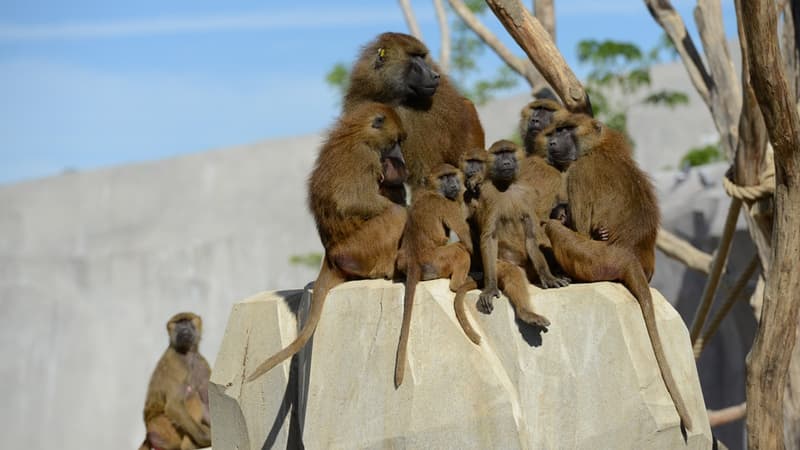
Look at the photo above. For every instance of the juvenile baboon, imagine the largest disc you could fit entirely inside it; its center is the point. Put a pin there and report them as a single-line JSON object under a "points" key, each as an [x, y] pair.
{"points": [[508, 244], [395, 69], [473, 165], [561, 214], [176, 412], [606, 188], [360, 229], [436, 209]]}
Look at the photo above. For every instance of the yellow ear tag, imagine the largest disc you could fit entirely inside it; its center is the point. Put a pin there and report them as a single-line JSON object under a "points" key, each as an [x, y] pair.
{"points": [[381, 52]]}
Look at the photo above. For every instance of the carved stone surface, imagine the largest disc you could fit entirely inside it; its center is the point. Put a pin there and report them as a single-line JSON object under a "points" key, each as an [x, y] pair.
{"points": [[590, 381]]}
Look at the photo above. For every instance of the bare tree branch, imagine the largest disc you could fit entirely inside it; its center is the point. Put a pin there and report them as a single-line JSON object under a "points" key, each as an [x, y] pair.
{"points": [[727, 415], [768, 362], [681, 250], [672, 23], [444, 33], [534, 40], [517, 64], [411, 21], [546, 13], [726, 95]]}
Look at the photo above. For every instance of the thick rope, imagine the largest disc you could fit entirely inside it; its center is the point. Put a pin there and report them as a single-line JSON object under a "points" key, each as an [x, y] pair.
{"points": [[764, 188], [733, 295], [738, 194]]}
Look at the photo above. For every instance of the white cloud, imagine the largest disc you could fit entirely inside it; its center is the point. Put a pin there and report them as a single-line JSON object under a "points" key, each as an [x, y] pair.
{"points": [[294, 19]]}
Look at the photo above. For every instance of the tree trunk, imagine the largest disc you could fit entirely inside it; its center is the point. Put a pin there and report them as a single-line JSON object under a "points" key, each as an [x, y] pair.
{"points": [[769, 358], [444, 32]]}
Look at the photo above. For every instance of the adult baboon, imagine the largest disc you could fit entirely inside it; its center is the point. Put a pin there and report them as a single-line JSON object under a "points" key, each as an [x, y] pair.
{"points": [[176, 412], [360, 229], [606, 188], [396, 69]]}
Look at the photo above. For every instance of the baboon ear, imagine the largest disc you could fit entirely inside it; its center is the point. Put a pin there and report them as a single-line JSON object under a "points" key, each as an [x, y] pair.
{"points": [[377, 122], [598, 126]]}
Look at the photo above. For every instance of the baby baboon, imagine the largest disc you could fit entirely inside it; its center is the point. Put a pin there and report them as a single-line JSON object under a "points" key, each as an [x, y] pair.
{"points": [[176, 412], [607, 189], [508, 242], [435, 210], [396, 69], [360, 229]]}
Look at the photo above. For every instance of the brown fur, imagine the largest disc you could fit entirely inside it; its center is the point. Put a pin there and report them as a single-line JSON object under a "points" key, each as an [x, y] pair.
{"points": [[508, 244], [440, 128], [427, 255], [359, 228], [607, 189], [176, 411]]}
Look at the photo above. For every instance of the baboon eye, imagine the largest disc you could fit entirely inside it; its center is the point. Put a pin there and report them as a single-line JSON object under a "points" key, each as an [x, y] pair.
{"points": [[377, 122]]}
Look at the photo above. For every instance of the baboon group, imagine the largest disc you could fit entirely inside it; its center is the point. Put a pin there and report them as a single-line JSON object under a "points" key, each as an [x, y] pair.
{"points": [[569, 204]]}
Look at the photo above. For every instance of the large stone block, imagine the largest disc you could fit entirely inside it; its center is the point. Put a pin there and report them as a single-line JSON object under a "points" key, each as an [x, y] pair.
{"points": [[590, 381]]}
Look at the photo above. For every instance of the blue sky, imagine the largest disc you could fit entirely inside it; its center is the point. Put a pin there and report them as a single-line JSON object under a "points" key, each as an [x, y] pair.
{"points": [[92, 83]]}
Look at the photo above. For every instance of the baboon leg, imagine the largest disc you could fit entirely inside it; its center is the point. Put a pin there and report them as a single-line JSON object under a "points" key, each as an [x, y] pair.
{"points": [[162, 434], [534, 234], [513, 283], [461, 310], [376, 260]]}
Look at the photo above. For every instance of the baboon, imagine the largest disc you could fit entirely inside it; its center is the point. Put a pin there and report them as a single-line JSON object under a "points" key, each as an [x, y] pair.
{"points": [[606, 188], [544, 178], [473, 165], [508, 243], [436, 209], [176, 412], [395, 69], [360, 229]]}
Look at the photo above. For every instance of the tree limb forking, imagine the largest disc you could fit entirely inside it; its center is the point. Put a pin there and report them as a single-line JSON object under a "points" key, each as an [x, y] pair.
{"points": [[537, 44]]}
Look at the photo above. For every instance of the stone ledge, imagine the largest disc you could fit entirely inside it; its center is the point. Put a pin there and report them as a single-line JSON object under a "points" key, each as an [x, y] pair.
{"points": [[591, 381]]}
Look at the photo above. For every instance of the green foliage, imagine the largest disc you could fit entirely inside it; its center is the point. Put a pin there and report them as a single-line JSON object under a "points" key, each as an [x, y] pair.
{"points": [[338, 78], [312, 260], [699, 156], [623, 69]]}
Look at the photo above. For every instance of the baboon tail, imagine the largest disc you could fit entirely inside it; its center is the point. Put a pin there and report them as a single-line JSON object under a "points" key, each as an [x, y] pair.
{"points": [[461, 311], [636, 282], [328, 278], [412, 279]]}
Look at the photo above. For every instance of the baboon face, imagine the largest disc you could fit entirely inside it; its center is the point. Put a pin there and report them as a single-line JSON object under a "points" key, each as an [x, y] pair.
{"points": [[184, 331], [402, 62], [450, 185], [184, 335], [473, 173], [562, 147], [540, 119], [421, 79], [505, 165], [560, 213]]}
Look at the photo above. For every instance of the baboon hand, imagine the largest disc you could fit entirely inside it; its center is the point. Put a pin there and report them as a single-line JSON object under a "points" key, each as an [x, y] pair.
{"points": [[486, 299], [554, 281]]}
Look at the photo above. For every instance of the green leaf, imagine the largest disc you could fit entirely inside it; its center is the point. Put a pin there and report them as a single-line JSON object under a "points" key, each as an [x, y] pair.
{"points": [[338, 77], [670, 99], [699, 156]]}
